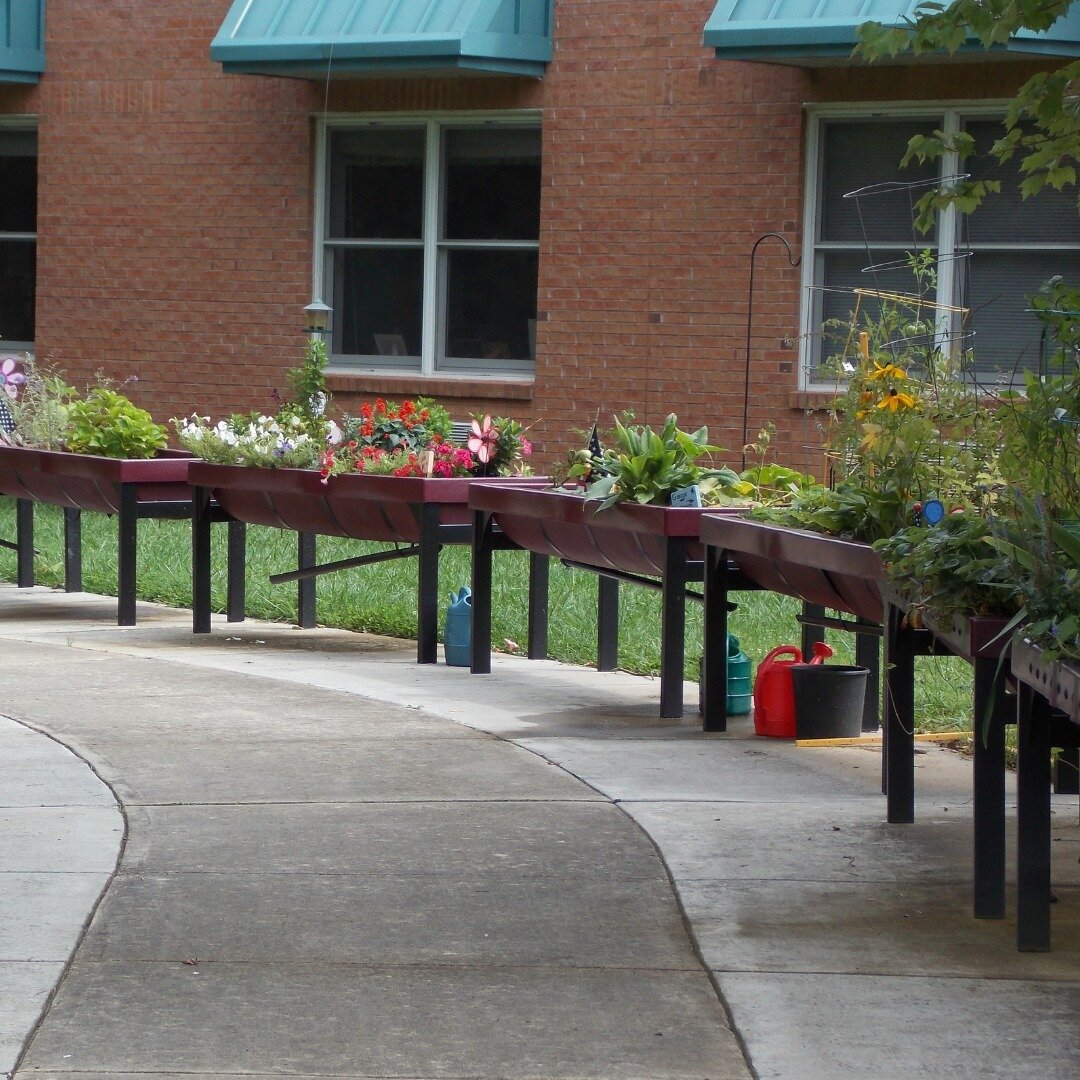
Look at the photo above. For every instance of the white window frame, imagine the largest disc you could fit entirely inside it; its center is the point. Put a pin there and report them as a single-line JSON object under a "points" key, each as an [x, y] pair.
{"points": [[435, 249], [10, 124], [948, 116]]}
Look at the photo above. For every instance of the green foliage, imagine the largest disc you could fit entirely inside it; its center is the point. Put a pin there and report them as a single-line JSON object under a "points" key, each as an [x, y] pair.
{"points": [[40, 411], [953, 567], [1043, 119], [310, 400], [438, 422], [647, 466], [107, 423]]}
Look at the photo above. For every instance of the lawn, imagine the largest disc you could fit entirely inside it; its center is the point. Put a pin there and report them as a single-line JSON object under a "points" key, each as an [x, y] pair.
{"points": [[382, 599]]}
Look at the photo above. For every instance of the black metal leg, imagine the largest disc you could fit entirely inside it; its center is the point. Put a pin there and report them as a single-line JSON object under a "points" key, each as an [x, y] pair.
{"points": [[607, 624], [24, 536], [673, 629], [128, 519], [237, 584], [1067, 771], [305, 587], [72, 549], [427, 605], [539, 574], [810, 631], [991, 712], [481, 594], [1033, 822], [868, 655], [200, 560], [899, 736], [714, 669]]}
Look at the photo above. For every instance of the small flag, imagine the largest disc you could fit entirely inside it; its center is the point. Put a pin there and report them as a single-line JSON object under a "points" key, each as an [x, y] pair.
{"points": [[594, 443]]}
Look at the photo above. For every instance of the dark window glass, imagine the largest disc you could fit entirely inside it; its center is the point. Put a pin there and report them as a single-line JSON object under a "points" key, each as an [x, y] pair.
{"points": [[377, 185], [862, 154], [492, 185], [491, 304], [1006, 336], [379, 301], [17, 263], [1048, 217], [18, 181]]}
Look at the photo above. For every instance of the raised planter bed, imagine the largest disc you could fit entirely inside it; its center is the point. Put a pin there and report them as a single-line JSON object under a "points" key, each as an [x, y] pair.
{"points": [[1048, 715], [132, 489], [824, 572], [421, 513], [657, 546]]}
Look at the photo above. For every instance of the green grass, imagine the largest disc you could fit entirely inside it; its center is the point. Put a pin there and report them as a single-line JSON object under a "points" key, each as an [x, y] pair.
{"points": [[382, 599]]}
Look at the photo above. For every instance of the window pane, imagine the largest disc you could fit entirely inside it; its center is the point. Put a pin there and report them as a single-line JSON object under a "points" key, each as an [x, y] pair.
{"points": [[378, 301], [491, 304], [492, 185], [857, 155], [842, 273], [18, 182], [1048, 217], [17, 262], [377, 184], [1006, 336]]}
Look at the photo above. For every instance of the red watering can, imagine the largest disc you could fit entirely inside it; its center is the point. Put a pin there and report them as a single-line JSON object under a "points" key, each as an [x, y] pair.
{"points": [[774, 698]]}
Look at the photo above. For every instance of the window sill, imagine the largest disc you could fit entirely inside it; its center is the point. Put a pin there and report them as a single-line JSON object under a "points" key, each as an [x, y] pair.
{"points": [[401, 384], [812, 400]]}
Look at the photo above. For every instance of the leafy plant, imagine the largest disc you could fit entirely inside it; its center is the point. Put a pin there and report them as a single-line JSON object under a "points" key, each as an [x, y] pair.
{"points": [[647, 466], [107, 423], [40, 410], [953, 567]]}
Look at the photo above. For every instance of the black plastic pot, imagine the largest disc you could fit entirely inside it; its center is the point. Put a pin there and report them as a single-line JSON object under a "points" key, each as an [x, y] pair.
{"points": [[828, 700]]}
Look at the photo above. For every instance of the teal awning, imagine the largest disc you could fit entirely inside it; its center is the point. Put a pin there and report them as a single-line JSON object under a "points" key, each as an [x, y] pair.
{"points": [[308, 38], [810, 33], [22, 40]]}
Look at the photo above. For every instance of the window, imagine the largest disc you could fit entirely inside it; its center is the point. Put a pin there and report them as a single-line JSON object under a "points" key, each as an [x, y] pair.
{"points": [[18, 237], [988, 263], [430, 246]]}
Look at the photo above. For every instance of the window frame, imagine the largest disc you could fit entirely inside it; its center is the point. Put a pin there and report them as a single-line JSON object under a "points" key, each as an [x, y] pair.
{"points": [[947, 233], [8, 125], [435, 249]]}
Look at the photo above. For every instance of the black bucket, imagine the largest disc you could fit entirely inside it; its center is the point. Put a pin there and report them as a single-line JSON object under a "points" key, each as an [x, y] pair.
{"points": [[828, 700]]}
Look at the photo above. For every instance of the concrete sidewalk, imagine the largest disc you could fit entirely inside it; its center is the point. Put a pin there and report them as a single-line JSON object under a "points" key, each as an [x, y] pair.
{"points": [[371, 890]]}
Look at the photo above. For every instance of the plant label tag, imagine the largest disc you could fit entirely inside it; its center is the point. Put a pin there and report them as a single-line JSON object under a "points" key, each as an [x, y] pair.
{"points": [[687, 496], [427, 462]]}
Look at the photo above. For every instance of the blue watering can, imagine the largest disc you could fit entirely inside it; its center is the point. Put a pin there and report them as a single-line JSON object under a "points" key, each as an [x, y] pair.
{"points": [[457, 642]]}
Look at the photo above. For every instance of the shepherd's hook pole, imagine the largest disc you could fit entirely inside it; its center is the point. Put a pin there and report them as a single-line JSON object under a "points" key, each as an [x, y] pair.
{"points": [[749, 330]]}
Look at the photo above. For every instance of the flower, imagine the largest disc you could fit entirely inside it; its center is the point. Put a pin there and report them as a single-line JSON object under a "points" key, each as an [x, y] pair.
{"points": [[896, 399], [11, 379], [886, 371], [483, 440]]}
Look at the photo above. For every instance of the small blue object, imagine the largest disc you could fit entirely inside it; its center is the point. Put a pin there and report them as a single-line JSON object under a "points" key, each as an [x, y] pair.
{"points": [[933, 511], [457, 641], [687, 496]]}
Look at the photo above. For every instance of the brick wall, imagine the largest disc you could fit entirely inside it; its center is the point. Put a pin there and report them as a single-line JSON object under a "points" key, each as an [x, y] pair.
{"points": [[176, 206]]}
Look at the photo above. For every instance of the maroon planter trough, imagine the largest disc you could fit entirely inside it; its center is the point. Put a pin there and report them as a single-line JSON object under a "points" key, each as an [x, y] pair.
{"points": [[132, 489]]}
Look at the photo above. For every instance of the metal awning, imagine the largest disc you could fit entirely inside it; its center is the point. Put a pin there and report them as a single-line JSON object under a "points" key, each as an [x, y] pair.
{"points": [[22, 40], [310, 39], [819, 33]]}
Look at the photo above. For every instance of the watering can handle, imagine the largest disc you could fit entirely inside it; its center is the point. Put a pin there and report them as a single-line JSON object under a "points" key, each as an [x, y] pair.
{"points": [[780, 650]]}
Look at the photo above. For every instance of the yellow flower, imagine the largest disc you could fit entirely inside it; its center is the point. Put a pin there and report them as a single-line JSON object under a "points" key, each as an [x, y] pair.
{"points": [[896, 399], [886, 371]]}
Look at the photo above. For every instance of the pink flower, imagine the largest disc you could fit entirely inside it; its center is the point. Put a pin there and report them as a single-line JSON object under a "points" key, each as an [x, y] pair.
{"points": [[526, 447], [483, 440], [10, 379]]}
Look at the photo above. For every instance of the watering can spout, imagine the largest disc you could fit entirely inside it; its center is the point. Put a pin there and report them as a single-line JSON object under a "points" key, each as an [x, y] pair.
{"points": [[822, 652]]}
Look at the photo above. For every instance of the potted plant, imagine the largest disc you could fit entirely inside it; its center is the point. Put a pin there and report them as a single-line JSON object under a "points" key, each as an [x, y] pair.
{"points": [[389, 474], [84, 451]]}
